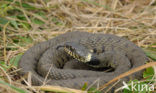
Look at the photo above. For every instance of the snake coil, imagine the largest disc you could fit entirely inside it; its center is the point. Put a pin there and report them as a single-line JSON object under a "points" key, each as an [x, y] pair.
{"points": [[75, 58]]}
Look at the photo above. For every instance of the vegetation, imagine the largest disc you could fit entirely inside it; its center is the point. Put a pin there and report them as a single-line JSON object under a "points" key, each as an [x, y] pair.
{"points": [[24, 23]]}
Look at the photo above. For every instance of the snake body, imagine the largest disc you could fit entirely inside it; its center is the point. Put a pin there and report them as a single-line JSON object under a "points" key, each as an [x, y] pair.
{"points": [[75, 58]]}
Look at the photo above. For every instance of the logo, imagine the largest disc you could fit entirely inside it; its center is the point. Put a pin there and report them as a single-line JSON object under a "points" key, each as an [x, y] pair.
{"points": [[138, 86]]}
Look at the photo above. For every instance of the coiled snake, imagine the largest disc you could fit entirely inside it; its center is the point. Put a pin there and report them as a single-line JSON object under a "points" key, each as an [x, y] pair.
{"points": [[75, 58]]}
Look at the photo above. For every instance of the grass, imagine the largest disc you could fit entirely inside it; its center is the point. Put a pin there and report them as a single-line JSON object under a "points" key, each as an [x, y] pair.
{"points": [[24, 23]]}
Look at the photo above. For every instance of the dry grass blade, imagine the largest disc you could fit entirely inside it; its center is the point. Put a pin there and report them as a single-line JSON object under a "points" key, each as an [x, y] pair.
{"points": [[4, 41], [59, 89], [151, 64]]}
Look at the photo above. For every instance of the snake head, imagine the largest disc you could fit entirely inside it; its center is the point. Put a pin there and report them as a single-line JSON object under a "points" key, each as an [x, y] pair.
{"points": [[77, 51]]}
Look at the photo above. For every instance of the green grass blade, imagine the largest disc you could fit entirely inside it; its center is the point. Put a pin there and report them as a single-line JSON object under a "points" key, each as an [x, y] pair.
{"points": [[13, 87], [150, 53]]}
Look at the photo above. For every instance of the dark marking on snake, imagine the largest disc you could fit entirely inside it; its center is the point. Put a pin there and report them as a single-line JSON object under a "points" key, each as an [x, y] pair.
{"points": [[94, 50], [94, 61]]}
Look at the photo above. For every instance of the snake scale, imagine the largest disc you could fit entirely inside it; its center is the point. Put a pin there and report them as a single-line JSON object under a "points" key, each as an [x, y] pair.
{"points": [[75, 58]]}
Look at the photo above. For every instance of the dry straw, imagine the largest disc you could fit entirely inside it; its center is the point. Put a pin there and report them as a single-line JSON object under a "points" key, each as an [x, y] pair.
{"points": [[133, 19]]}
